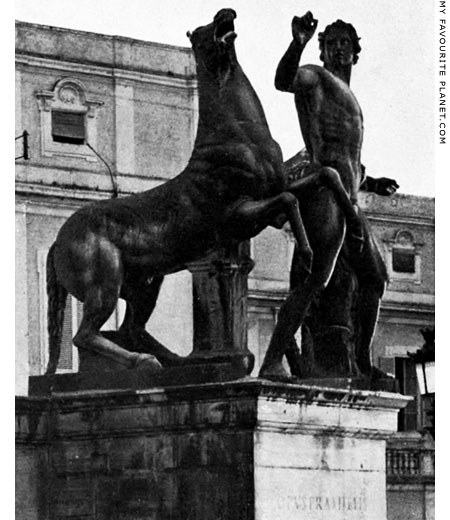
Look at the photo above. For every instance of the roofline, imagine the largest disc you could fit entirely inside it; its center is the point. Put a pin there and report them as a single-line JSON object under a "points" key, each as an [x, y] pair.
{"points": [[106, 36]]}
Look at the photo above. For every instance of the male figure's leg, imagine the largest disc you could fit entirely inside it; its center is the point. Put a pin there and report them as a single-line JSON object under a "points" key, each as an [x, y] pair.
{"points": [[328, 332], [325, 227], [372, 279]]}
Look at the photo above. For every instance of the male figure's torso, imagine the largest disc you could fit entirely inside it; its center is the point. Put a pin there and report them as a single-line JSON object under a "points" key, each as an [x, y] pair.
{"points": [[331, 122]]}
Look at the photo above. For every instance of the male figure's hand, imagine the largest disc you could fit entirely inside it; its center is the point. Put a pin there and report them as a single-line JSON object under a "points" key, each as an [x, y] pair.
{"points": [[303, 28], [385, 186]]}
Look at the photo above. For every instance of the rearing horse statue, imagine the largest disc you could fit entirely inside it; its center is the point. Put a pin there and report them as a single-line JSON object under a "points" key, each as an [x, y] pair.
{"points": [[232, 188]]}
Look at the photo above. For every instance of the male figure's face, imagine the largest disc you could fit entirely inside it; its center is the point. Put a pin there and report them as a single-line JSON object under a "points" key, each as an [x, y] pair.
{"points": [[337, 50]]}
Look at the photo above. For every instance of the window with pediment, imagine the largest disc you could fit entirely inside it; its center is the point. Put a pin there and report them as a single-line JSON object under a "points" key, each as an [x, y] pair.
{"points": [[68, 119], [403, 258]]}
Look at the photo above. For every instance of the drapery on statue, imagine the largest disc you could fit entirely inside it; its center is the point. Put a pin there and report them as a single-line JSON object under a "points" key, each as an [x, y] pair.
{"points": [[332, 128], [232, 188]]}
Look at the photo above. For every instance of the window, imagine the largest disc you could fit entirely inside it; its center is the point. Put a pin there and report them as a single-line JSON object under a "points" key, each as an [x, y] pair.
{"points": [[403, 258], [409, 418], [68, 359], [68, 127], [68, 118], [403, 261], [398, 365]]}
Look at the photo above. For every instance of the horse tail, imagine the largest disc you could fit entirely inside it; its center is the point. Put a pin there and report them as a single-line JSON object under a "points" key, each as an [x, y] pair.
{"points": [[57, 296]]}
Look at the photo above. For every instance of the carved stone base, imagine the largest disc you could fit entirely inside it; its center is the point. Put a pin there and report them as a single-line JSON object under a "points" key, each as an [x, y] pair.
{"points": [[248, 450], [234, 363], [387, 384], [133, 379]]}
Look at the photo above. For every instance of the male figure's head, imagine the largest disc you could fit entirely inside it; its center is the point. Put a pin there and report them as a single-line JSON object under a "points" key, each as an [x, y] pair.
{"points": [[339, 47]]}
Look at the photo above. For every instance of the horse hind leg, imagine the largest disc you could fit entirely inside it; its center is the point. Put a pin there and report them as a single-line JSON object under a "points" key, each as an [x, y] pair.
{"points": [[141, 297], [141, 300], [99, 304]]}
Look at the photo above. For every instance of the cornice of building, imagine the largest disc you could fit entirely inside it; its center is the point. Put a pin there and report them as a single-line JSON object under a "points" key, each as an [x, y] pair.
{"points": [[407, 220], [392, 302], [75, 193], [413, 298], [39, 191], [102, 52], [20, 23], [401, 207], [123, 74]]}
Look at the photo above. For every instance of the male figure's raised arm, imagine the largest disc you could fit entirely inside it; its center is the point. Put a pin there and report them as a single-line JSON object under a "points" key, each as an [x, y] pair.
{"points": [[302, 31]]}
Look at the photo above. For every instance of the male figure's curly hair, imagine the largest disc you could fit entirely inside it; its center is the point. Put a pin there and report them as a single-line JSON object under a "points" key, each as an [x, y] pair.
{"points": [[339, 24]]}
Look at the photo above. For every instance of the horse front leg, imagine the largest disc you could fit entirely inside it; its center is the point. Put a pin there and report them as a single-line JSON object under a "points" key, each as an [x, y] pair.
{"points": [[253, 216]]}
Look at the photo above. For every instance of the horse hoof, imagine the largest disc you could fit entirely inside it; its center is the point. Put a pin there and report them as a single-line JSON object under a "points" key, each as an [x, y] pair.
{"points": [[147, 361]]}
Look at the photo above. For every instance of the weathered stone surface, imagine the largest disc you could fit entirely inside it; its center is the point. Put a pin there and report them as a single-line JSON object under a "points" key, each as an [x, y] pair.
{"points": [[248, 449], [103, 50], [134, 379]]}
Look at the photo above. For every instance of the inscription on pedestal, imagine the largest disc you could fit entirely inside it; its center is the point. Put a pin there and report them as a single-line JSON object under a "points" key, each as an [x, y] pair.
{"points": [[355, 504], [317, 494]]}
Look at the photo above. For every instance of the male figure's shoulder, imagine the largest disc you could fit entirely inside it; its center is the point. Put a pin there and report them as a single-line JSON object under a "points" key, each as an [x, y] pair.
{"points": [[309, 76]]}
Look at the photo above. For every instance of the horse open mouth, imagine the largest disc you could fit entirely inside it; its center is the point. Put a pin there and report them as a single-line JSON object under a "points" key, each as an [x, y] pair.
{"points": [[224, 32]]}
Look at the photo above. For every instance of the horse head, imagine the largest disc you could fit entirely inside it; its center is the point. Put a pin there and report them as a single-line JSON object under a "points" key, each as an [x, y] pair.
{"points": [[213, 46]]}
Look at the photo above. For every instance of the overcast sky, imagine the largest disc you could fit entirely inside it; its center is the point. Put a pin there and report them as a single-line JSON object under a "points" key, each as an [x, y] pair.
{"points": [[393, 79]]}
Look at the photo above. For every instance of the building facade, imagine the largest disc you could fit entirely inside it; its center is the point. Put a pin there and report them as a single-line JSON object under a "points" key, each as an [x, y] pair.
{"points": [[109, 115]]}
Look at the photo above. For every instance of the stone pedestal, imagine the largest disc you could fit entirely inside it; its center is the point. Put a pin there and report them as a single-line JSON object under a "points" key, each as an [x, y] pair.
{"points": [[220, 307], [243, 450]]}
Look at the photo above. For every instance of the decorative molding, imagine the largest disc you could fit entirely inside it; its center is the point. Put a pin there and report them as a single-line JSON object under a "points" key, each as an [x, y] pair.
{"points": [[60, 209], [392, 218], [44, 190], [409, 297], [108, 72], [257, 404]]}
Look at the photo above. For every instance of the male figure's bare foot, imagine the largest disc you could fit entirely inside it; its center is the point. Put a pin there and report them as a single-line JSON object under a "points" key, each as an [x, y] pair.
{"points": [[147, 361]]}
